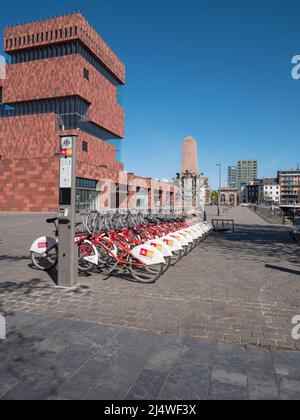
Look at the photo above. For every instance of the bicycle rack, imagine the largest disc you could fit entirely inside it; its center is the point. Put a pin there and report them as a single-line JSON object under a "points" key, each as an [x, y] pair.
{"points": [[223, 225]]}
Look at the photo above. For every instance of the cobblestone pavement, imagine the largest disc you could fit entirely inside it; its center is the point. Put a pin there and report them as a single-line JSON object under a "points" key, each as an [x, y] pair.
{"points": [[57, 359], [241, 289]]}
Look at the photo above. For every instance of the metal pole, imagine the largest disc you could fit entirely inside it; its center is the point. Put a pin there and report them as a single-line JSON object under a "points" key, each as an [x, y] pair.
{"points": [[67, 249], [298, 183], [220, 186], [220, 183]]}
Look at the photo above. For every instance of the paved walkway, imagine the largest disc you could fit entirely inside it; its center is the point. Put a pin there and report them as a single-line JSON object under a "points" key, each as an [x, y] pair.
{"points": [[234, 289], [48, 358]]}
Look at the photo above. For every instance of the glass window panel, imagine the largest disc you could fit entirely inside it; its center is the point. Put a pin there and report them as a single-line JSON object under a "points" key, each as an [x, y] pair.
{"points": [[63, 107]]}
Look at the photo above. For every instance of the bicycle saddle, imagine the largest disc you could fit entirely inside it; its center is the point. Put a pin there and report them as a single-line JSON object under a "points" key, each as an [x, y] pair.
{"points": [[137, 231], [51, 220]]}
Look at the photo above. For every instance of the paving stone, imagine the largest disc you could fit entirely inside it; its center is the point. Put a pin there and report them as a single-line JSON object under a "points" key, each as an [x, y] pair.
{"points": [[287, 364], [289, 389], [117, 344], [7, 381], [37, 387], [68, 362], [45, 327], [225, 392], [201, 352], [262, 387], [124, 372], [148, 385], [84, 380], [100, 334], [229, 376], [104, 394], [186, 382]]}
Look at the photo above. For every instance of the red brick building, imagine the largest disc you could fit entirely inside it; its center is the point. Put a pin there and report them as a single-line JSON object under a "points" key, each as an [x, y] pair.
{"points": [[60, 77]]}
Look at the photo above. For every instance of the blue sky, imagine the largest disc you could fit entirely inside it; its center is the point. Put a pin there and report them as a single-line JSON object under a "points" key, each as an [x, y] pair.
{"points": [[217, 70]]}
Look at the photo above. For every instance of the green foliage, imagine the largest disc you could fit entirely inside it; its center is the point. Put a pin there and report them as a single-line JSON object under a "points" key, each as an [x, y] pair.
{"points": [[214, 197]]}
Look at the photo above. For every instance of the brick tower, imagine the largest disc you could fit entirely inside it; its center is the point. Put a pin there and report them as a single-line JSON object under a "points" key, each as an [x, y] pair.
{"points": [[189, 156], [60, 77]]}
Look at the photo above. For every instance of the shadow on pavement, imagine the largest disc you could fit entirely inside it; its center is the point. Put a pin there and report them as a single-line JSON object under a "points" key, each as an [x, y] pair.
{"points": [[14, 258], [284, 270], [257, 241]]}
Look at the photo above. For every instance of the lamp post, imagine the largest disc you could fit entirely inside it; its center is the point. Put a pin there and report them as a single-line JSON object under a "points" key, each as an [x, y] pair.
{"points": [[298, 186], [220, 183]]}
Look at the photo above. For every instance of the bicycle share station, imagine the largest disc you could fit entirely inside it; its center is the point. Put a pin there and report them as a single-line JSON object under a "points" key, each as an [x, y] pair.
{"points": [[62, 254], [144, 246]]}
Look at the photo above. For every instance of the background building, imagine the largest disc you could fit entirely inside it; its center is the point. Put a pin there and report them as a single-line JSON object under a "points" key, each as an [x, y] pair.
{"points": [[289, 182], [264, 190], [242, 175], [229, 196], [61, 76], [270, 191], [247, 171], [232, 177]]}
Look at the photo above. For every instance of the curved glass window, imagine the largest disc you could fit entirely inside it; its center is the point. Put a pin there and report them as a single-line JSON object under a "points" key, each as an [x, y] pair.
{"points": [[72, 114]]}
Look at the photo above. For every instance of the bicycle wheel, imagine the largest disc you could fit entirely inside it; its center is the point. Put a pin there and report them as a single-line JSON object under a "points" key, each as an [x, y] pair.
{"points": [[85, 250], [47, 261], [186, 250], [144, 274], [167, 265], [176, 257], [103, 256], [106, 261]]}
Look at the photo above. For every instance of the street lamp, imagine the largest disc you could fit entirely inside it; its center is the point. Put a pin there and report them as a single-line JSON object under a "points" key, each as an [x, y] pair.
{"points": [[220, 184], [298, 186]]}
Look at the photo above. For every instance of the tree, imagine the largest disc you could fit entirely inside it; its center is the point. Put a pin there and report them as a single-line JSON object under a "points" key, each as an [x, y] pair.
{"points": [[214, 197]]}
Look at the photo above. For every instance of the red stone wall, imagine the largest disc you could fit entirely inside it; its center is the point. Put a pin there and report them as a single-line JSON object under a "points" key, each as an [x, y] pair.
{"points": [[28, 137], [29, 169], [16, 38], [29, 185], [63, 76]]}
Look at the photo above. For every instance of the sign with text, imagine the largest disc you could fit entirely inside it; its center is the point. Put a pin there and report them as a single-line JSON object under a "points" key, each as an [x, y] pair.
{"points": [[66, 143], [66, 172]]}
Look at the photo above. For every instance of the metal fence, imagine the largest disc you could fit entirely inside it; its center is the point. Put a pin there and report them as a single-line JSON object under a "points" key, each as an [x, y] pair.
{"points": [[223, 225], [272, 214]]}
